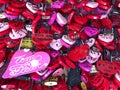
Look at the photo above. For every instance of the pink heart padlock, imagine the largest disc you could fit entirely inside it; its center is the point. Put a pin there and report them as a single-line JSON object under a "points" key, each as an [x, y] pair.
{"points": [[31, 7], [92, 4], [91, 31], [56, 44], [18, 34], [93, 56], [106, 37], [86, 66], [53, 18], [4, 26], [57, 4], [61, 20], [24, 62], [90, 42]]}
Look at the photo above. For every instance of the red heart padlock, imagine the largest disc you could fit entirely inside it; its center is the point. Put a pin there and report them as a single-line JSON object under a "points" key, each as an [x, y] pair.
{"points": [[71, 17], [16, 25], [62, 62], [75, 26], [82, 20], [96, 80], [73, 2], [106, 67], [53, 65], [82, 3], [5, 32], [46, 13], [97, 23], [107, 23], [69, 62], [78, 53], [28, 15], [11, 43], [83, 35], [67, 8], [104, 2], [56, 28], [74, 35]]}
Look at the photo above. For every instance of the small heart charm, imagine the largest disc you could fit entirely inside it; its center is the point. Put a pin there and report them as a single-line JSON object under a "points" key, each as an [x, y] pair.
{"points": [[91, 31], [106, 37], [56, 44], [24, 62], [31, 7], [4, 26], [61, 20], [57, 4], [90, 42]]}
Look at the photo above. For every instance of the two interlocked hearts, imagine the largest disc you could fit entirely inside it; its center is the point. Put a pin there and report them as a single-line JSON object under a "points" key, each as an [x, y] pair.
{"points": [[91, 31], [24, 62]]}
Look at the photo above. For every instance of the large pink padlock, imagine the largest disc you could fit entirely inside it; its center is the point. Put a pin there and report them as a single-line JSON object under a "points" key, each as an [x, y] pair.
{"points": [[52, 18]]}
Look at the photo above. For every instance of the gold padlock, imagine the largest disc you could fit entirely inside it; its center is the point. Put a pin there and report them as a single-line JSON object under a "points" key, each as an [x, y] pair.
{"points": [[51, 81], [49, 1], [83, 86], [26, 43]]}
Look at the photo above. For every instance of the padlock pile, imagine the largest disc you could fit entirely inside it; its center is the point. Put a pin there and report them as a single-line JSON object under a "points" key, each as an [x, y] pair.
{"points": [[59, 44]]}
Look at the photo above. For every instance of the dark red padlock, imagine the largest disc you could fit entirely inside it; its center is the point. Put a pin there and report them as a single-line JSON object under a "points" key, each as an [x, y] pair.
{"points": [[83, 35], [75, 26], [81, 3], [78, 53], [106, 67], [53, 65], [66, 9], [82, 20], [74, 35], [107, 23], [16, 25], [96, 80], [56, 28], [11, 43], [97, 23]]}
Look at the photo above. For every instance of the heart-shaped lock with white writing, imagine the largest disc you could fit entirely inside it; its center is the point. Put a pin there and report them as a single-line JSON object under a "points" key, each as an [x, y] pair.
{"points": [[106, 37], [90, 42], [56, 44], [24, 62], [4, 26]]}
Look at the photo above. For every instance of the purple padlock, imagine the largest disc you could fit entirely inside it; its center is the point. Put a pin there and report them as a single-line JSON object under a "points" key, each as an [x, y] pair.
{"points": [[53, 18], [57, 4], [86, 66], [89, 31]]}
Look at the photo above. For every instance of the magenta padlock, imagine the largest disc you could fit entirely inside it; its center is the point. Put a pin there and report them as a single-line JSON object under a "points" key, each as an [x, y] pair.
{"points": [[57, 4], [61, 20], [89, 31], [101, 11], [93, 56], [4, 26], [52, 18], [66, 41], [56, 44], [86, 66], [54, 53]]}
